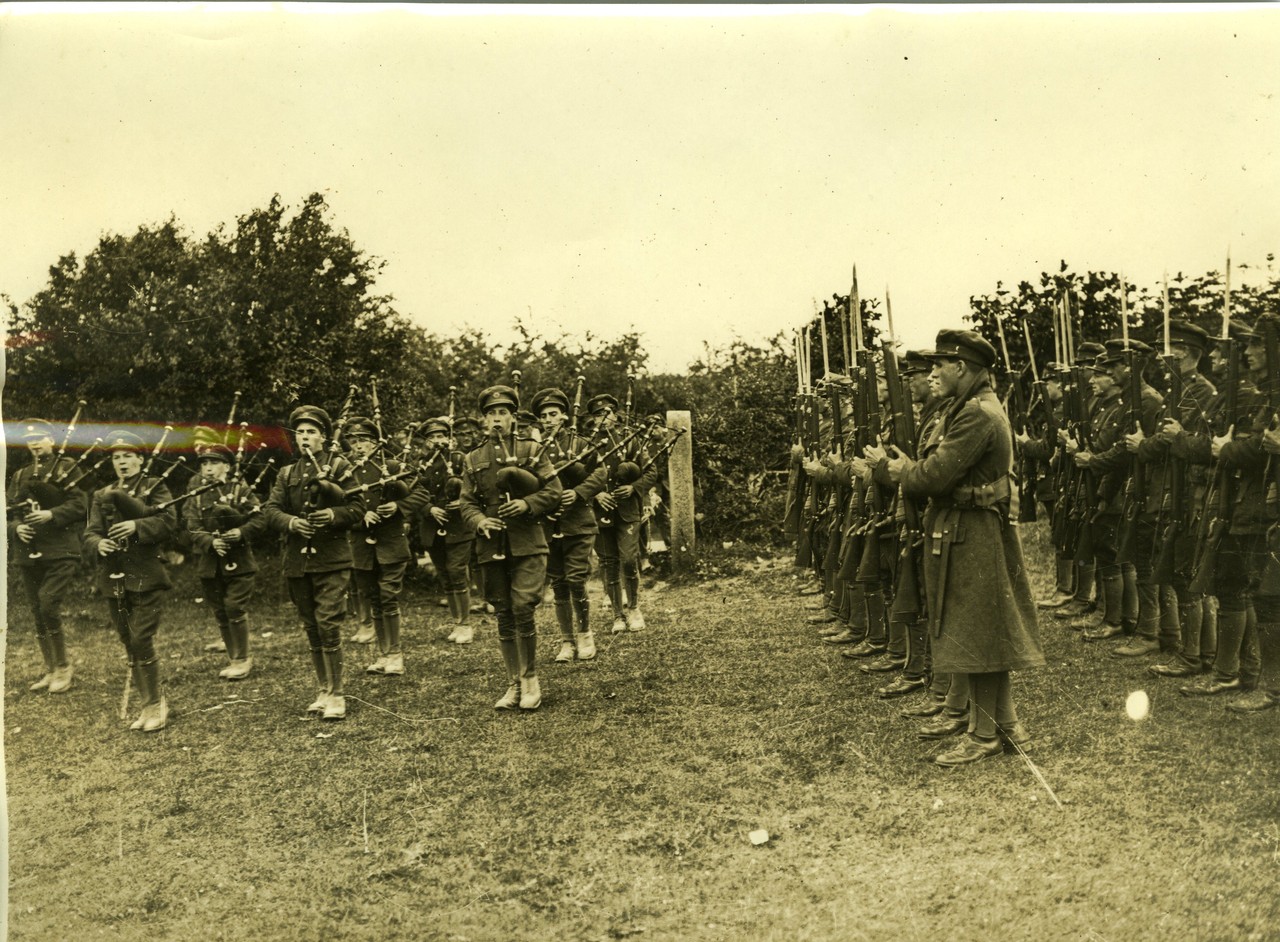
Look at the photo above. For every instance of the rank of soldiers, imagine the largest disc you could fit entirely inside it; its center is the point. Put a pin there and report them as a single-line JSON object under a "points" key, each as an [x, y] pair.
{"points": [[505, 506], [1155, 476]]}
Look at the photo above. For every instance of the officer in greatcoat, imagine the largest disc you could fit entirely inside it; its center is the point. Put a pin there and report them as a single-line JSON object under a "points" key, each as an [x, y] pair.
{"points": [[982, 620]]}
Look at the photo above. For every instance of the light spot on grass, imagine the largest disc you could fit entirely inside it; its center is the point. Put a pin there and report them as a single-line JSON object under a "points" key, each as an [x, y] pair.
{"points": [[1138, 706]]}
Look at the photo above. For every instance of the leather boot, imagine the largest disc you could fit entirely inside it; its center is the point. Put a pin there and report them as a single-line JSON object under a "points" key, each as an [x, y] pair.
{"points": [[530, 689], [238, 648], [564, 619], [335, 704], [511, 658], [585, 641], [159, 707], [322, 677]]}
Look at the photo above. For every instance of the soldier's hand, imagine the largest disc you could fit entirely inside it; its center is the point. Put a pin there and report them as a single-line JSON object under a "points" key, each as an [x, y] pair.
{"points": [[514, 508], [321, 518], [301, 526], [453, 505], [1081, 459], [221, 546], [1071, 444], [107, 547], [895, 467], [1271, 441], [1133, 440], [860, 467], [811, 468], [490, 525], [123, 530], [388, 509], [26, 532], [606, 501], [38, 517], [797, 451], [623, 492], [875, 453], [1221, 440], [1170, 430], [440, 514], [1022, 438], [233, 536], [371, 518], [568, 496]]}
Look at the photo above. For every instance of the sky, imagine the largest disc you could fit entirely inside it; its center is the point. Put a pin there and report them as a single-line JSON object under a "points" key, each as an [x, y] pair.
{"points": [[693, 174]]}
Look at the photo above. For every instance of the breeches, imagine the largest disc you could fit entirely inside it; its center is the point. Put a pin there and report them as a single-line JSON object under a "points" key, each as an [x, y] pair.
{"points": [[136, 616], [569, 562], [229, 596], [1106, 535], [321, 601], [381, 585], [619, 543], [513, 587], [450, 560], [1238, 569], [47, 584]]}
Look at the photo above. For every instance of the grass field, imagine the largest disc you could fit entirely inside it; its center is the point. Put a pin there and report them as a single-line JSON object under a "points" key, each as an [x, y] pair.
{"points": [[622, 808]]}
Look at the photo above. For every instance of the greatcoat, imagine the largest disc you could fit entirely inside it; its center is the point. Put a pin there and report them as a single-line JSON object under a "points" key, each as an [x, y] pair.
{"points": [[981, 615]]}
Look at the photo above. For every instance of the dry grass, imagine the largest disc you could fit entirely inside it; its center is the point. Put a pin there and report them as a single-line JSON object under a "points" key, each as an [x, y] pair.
{"points": [[622, 808]]}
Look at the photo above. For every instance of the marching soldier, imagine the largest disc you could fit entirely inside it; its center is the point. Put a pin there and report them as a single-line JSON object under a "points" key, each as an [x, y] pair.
{"points": [[981, 616], [220, 524], [314, 514], [379, 544], [128, 523], [441, 529], [509, 483], [619, 508], [46, 545], [570, 529]]}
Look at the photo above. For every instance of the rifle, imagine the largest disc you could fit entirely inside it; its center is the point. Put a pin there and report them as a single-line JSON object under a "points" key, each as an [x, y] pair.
{"points": [[910, 588], [1016, 410], [1135, 494], [1220, 496]]}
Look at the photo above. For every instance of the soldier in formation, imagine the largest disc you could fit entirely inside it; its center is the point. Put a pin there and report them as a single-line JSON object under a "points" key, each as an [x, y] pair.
{"points": [[487, 504]]}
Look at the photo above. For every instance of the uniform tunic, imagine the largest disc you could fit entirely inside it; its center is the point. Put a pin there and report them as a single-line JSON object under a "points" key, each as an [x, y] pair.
{"points": [[515, 558], [318, 579], [48, 562], [133, 578], [227, 580]]}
